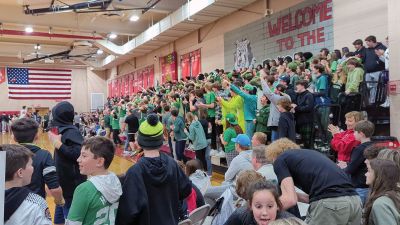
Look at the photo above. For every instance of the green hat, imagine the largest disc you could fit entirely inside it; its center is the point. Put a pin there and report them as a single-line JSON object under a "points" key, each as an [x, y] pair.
{"points": [[229, 75], [231, 119], [247, 76], [248, 87], [150, 134], [292, 65]]}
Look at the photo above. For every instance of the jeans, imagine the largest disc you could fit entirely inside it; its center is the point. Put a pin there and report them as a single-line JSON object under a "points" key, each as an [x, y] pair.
{"points": [[372, 87], [126, 146], [171, 149], [179, 150], [274, 135], [116, 137], [208, 160], [363, 193], [61, 213], [250, 126]]}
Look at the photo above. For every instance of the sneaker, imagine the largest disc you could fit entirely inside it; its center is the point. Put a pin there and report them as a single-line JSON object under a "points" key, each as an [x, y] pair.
{"points": [[213, 152], [221, 154]]}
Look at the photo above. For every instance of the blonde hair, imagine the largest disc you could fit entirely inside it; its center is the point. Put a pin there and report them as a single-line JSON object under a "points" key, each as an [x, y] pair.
{"points": [[390, 154], [245, 178], [273, 150], [260, 137], [358, 116], [288, 221]]}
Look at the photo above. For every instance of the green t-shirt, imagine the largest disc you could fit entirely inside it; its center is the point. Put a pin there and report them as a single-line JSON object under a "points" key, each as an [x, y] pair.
{"points": [[90, 207], [122, 111], [321, 83], [210, 98], [115, 123], [228, 135], [107, 121]]}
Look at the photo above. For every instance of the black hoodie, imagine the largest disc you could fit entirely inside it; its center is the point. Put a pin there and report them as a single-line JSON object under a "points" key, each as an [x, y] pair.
{"points": [[152, 190], [372, 62], [305, 108], [66, 156], [286, 126]]}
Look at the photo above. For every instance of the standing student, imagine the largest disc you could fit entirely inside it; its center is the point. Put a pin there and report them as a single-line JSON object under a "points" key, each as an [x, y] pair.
{"points": [[155, 186], [198, 138], [67, 146], [115, 127], [25, 132], [96, 200], [132, 121], [356, 168], [383, 204], [107, 123], [250, 105], [261, 120], [77, 120], [304, 112], [232, 130], [210, 99], [178, 131], [286, 124], [21, 205], [274, 97], [328, 189]]}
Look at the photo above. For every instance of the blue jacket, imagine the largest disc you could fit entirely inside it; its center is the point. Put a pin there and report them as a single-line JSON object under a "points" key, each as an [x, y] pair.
{"points": [[197, 136], [250, 103]]}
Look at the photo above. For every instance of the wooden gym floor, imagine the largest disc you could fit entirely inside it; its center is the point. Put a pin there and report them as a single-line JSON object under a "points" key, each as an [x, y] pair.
{"points": [[119, 165]]}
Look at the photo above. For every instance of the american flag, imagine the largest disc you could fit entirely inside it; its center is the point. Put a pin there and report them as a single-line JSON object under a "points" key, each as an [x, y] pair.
{"points": [[34, 83]]}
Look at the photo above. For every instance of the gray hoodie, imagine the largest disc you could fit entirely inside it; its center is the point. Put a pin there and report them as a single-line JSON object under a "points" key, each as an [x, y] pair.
{"points": [[239, 163], [108, 185]]}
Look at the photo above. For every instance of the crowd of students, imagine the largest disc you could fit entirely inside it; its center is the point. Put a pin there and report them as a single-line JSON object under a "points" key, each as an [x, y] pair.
{"points": [[262, 120]]}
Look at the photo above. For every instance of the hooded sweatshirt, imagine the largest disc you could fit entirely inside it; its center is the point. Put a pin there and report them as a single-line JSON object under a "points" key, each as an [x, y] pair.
{"points": [[239, 163], [152, 191], [197, 136], [21, 206], [95, 201], [66, 156]]}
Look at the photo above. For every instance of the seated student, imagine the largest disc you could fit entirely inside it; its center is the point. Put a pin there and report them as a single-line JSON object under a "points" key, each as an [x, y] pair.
{"points": [[286, 124], [199, 178], [25, 132], [356, 168], [99, 195], [261, 165], [195, 199], [21, 205], [343, 142], [241, 162], [155, 185], [264, 206], [233, 210], [288, 221], [258, 139], [383, 204], [326, 186]]}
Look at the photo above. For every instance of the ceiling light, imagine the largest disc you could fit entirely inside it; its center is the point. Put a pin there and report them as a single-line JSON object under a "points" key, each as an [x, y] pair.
{"points": [[112, 35], [37, 46], [28, 29], [134, 18], [99, 52]]}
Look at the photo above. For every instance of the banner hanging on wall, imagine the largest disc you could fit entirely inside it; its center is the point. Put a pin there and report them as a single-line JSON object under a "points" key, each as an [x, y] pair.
{"points": [[185, 65], [168, 66], [131, 83], [305, 27], [195, 63]]}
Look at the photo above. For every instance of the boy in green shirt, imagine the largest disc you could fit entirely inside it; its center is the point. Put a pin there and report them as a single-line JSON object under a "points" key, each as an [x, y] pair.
{"points": [[96, 200], [115, 127]]}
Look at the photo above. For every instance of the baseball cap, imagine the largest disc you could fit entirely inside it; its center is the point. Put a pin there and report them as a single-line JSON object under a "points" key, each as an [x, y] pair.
{"points": [[231, 119], [242, 140], [248, 87], [285, 78]]}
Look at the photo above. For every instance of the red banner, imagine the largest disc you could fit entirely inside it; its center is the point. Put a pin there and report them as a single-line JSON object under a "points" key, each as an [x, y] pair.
{"points": [[185, 65], [109, 85], [195, 62], [2, 75], [151, 77], [169, 67], [131, 84], [126, 92]]}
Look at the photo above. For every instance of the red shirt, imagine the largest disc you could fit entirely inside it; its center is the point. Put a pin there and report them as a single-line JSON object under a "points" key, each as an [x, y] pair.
{"points": [[343, 143]]}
